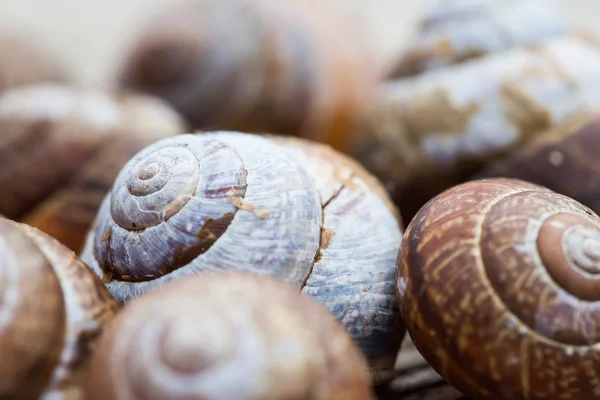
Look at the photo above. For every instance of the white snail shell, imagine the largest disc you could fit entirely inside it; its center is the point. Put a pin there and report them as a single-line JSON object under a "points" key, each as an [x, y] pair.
{"points": [[227, 201], [227, 336]]}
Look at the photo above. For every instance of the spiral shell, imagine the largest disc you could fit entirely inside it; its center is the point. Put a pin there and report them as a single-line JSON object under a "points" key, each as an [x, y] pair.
{"points": [[52, 307], [298, 67], [286, 208], [226, 336], [428, 133], [61, 149], [453, 32], [498, 284], [24, 63]]}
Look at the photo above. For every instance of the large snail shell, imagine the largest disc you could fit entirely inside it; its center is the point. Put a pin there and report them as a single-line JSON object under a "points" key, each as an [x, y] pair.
{"points": [[23, 62], [226, 336], [51, 309], [453, 32], [430, 132], [232, 201], [564, 159], [499, 287], [294, 67], [61, 149]]}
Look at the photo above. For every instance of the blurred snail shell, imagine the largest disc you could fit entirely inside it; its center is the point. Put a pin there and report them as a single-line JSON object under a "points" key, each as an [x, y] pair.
{"points": [[52, 307], [427, 133], [297, 67], [453, 32], [226, 336], [286, 208], [498, 285], [61, 148], [24, 62], [564, 159]]}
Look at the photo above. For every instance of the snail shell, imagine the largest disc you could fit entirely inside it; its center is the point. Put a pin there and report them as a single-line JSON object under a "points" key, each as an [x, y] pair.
{"points": [[24, 62], [498, 285], [61, 149], [430, 132], [52, 307], [285, 208], [459, 31], [227, 336], [564, 159], [298, 67]]}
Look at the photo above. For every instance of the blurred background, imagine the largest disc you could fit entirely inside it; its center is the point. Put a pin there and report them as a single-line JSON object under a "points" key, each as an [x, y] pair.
{"points": [[90, 35]]}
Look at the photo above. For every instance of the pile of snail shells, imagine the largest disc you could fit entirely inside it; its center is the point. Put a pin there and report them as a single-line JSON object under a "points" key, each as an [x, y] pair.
{"points": [[61, 148], [296, 67], [213, 336], [498, 284], [273, 206], [430, 131]]}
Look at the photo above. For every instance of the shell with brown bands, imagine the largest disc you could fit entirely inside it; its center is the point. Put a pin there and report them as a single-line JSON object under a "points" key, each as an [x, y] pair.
{"points": [[298, 67], [52, 308], [428, 133], [498, 283], [285, 208], [453, 32], [227, 336], [61, 148]]}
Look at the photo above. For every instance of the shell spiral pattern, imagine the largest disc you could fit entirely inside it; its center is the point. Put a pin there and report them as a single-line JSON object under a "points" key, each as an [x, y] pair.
{"points": [[51, 309], [286, 208], [498, 283], [227, 336]]}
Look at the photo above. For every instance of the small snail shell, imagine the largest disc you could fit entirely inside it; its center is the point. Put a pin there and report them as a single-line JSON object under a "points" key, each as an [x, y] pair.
{"points": [[61, 149], [563, 159], [295, 67], [52, 307], [459, 31], [499, 288], [433, 131], [24, 62], [286, 208], [226, 336]]}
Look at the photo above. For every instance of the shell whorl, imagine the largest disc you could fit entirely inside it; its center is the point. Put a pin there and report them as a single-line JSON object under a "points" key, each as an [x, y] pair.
{"points": [[507, 278], [52, 307], [286, 208], [31, 331], [226, 336], [207, 197]]}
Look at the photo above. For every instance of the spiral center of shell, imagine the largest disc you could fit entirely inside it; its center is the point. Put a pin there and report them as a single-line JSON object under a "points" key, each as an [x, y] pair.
{"points": [[154, 186], [149, 171], [581, 246]]}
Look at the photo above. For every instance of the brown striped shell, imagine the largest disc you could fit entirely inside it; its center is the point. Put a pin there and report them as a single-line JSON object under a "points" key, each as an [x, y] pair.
{"points": [[453, 32], [564, 159], [52, 308], [297, 67], [499, 286], [227, 336], [24, 62], [286, 208], [430, 132], [61, 148]]}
